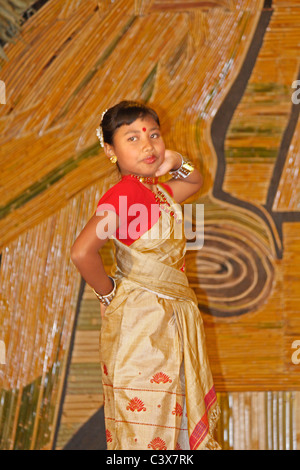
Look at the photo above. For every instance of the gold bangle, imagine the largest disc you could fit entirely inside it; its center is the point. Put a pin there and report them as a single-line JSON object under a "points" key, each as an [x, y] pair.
{"points": [[184, 170], [106, 299]]}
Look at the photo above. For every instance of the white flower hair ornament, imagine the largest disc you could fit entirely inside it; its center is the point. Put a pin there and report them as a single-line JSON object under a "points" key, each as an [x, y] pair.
{"points": [[99, 131], [100, 136]]}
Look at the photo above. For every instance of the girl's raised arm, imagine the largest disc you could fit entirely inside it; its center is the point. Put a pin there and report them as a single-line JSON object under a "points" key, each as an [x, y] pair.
{"points": [[182, 188]]}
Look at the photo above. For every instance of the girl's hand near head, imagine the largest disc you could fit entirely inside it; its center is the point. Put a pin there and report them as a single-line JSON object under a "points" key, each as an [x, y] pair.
{"points": [[182, 188], [172, 161]]}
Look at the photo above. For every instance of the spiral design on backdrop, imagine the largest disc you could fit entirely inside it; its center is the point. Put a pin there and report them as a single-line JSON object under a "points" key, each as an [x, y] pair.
{"points": [[232, 274]]}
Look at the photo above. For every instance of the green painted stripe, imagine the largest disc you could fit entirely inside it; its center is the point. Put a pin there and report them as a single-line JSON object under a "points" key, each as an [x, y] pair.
{"points": [[268, 88], [69, 165], [148, 85], [104, 56], [48, 180], [251, 153], [256, 130]]}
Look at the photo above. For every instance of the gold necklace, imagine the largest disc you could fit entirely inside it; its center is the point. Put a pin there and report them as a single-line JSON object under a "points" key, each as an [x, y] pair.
{"points": [[146, 179], [163, 202], [160, 198]]}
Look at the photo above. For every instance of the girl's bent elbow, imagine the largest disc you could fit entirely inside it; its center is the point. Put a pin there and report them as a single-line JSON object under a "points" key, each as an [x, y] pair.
{"points": [[76, 254]]}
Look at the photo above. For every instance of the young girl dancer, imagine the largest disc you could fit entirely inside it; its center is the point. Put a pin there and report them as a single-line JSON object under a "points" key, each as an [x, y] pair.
{"points": [[158, 387]]}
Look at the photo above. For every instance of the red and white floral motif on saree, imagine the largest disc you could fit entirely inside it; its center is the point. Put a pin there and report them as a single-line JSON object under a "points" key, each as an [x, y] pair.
{"points": [[177, 410], [108, 436], [160, 377], [136, 404], [157, 444]]}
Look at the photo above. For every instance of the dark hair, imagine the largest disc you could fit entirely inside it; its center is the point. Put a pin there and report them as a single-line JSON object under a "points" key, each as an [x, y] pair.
{"points": [[125, 112]]}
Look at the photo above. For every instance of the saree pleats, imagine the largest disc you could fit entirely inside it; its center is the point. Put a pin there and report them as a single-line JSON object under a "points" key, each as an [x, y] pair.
{"points": [[158, 387]]}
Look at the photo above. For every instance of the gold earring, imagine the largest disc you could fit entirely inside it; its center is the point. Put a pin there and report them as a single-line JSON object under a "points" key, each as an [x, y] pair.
{"points": [[113, 159]]}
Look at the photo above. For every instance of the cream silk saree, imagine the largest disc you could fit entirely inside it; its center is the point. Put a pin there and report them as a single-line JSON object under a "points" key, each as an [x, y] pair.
{"points": [[158, 387]]}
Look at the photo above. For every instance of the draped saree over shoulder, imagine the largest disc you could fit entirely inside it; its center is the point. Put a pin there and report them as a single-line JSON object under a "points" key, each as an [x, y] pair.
{"points": [[158, 388]]}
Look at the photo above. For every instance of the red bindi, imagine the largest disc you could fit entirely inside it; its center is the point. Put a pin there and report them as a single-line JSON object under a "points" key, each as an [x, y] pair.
{"points": [[144, 129]]}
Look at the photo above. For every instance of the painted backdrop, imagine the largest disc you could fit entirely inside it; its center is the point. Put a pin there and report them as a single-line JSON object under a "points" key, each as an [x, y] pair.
{"points": [[220, 75]]}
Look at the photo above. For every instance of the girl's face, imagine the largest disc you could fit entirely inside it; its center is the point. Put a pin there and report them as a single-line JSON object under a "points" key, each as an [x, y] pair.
{"points": [[139, 147]]}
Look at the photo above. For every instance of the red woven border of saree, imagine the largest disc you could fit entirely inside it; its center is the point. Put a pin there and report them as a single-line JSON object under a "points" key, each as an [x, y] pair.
{"points": [[202, 427]]}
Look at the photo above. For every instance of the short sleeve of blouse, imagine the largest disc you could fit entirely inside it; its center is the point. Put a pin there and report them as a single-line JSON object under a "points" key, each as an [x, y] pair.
{"points": [[134, 204], [110, 199], [130, 191]]}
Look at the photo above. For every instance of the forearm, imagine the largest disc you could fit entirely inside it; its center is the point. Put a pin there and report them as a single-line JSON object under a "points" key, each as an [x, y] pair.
{"points": [[195, 177], [91, 268]]}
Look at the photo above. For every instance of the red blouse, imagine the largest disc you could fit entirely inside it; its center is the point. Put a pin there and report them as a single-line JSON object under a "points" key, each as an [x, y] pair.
{"points": [[135, 205]]}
